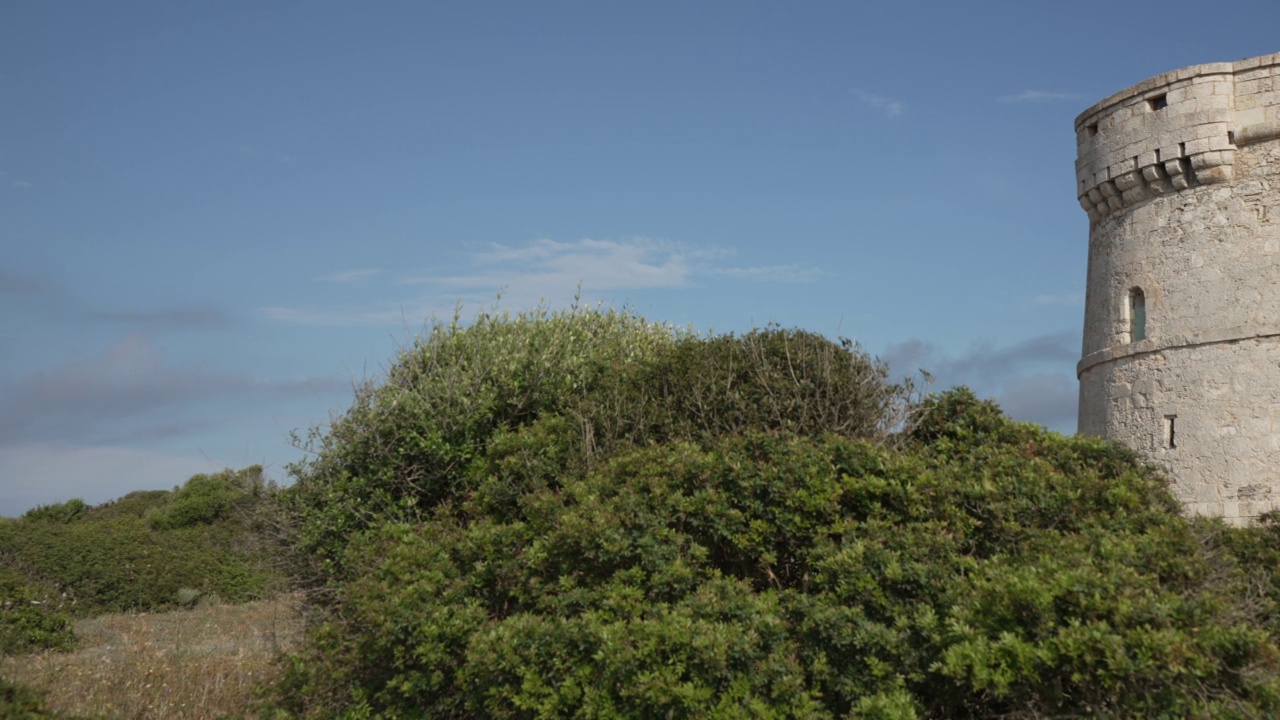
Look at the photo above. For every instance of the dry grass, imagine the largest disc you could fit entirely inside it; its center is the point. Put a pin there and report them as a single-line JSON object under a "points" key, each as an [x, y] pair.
{"points": [[182, 665]]}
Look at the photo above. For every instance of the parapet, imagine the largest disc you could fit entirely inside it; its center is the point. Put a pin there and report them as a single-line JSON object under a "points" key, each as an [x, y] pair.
{"points": [[1174, 131]]}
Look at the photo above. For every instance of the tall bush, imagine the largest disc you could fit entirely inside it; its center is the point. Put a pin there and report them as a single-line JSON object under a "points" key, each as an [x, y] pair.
{"points": [[561, 390]]}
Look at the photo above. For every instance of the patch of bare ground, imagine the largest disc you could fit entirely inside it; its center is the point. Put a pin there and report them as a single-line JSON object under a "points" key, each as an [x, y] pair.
{"points": [[181, 665]]}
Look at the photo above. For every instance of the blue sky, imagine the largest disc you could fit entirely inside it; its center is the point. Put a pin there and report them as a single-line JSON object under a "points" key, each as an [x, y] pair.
{"points": [[214, 218]]}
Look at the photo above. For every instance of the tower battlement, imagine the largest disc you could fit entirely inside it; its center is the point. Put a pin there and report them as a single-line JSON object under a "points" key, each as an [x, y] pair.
{"points": [[1173, 131], [1180, 176]]}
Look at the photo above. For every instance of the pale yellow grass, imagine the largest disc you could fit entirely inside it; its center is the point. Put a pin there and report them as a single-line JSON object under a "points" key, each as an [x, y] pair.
{"points": [[182, 665]]}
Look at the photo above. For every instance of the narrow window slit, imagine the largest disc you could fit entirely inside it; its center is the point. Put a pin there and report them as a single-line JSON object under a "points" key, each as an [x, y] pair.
{"points": [[1137, 315], [1170, 432]]}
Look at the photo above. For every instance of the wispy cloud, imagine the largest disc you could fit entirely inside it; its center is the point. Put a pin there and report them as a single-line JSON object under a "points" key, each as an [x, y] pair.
{"points": [[348, 276], [21, 185], [551, 272], [890, 107], [1068, 299], [21, 284], [189, 318], [1032, 380], [774, 273], [405, 314], [45, 295], [1038, 96], [600, 264], [105, 395]]}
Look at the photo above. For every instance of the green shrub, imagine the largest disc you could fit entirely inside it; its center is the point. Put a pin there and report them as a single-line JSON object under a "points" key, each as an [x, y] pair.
{"points": [[205, 499], [125, 564], [770, 379], [27, 627], [984, 568], [135, 504], [545, 395], [409, 444], [582, 514], [64, 512], [30, 618]]}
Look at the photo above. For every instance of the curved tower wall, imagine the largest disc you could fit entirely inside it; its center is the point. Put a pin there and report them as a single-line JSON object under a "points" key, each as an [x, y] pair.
{"points": [[1180, 176]]}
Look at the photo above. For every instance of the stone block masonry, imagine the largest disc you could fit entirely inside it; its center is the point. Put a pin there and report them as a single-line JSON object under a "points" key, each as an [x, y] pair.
{"points": [[1180, 178]]}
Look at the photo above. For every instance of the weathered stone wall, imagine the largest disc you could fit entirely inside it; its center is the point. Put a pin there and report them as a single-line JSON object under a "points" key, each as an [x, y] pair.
{"points": [[1180, 176]]}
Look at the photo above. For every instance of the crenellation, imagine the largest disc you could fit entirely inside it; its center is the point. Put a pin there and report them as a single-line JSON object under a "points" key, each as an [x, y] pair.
{"points": [[1157, 130]]}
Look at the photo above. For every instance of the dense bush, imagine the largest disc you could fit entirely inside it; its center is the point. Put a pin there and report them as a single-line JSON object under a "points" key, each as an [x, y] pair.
{"points": [[723, 527], [136, 504], [30, 616], [474, 410], [63, 512], [141, 551], [205, 499]]}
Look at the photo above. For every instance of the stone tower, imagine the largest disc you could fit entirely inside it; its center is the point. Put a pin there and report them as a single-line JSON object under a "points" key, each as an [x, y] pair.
{"points": [[1180, 176]]}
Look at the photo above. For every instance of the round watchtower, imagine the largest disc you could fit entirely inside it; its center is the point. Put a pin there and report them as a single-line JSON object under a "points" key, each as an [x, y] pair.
{"points": [[1180, 176]]}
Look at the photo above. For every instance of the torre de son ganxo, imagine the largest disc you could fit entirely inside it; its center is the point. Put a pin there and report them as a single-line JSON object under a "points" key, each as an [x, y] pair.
{"points": [[1180, 177]]}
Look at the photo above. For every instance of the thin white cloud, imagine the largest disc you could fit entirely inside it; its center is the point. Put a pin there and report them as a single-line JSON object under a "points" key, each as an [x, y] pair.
{"points": [[352, 317], [348, 276], [602, 264], [1038, 96], [549, 272], [554, 273], [21, 185], [774, 273], [1068, 299], [890, 107]]}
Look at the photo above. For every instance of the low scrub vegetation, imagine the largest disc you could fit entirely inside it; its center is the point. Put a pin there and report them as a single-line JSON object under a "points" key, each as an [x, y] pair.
{"points": [[584, 514], [146, 551]]}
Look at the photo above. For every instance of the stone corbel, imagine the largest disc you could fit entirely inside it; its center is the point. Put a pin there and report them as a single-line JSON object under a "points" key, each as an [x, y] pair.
{"points": [[1132, 189], [1214, 167], [1177, 176], [1157, 179], [1112, 195]]}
